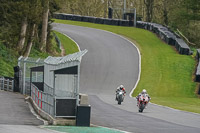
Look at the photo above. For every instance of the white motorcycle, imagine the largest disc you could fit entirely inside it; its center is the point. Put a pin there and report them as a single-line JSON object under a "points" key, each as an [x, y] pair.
{"points": [[120, 96]]}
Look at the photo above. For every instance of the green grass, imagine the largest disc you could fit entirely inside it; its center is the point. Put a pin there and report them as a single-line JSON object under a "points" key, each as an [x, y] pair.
{"points": [[69, 45], [7, 61], [165, 74], [35, 53]]}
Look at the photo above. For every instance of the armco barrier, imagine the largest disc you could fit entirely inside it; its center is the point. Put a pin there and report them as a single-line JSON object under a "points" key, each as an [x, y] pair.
{"points": [[77, 18], [108, 21], [198, 73], [170, 38], [115, 22], [198, 55], [167, 36], [182, 47], [99, 20], [92, 19], [85, 19], [124, 23]]}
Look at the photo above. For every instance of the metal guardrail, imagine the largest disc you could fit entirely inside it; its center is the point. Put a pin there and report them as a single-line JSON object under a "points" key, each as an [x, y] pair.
{"points": [[44, 100], [57, 40], [6, 84], [54, 106]]}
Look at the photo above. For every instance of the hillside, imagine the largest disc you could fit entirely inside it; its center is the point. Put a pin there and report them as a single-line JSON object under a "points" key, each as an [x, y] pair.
{"points": [[9, 57]]}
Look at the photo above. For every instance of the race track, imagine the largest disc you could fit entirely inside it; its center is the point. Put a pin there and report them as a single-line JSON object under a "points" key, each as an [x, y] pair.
{"points": [[112, 60]]}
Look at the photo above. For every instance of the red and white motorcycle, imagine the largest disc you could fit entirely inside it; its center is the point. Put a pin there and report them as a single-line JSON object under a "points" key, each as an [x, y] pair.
{"points": [[142, 102]]}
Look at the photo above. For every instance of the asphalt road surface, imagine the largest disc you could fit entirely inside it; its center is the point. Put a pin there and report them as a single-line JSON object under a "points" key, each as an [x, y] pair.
{"points": [[111, 61], [15, 115]]}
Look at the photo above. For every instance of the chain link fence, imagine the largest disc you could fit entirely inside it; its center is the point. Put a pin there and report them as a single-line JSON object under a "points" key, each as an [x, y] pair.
{"points": [[24, 73]]}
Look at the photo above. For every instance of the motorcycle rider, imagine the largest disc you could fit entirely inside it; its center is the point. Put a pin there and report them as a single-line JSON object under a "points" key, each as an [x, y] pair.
{"points": [[144, 92], [121, 87]]}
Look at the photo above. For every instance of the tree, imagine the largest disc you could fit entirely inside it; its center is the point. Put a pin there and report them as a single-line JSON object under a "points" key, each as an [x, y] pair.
{"points": [[149, 9], [30, 41], [22, 35], [44, 25], [24, 23], [35, 11], [11, 13]]}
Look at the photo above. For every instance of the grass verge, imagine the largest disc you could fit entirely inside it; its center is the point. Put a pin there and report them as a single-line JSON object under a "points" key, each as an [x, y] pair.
{"points": [[69, 45], [165, 74]]}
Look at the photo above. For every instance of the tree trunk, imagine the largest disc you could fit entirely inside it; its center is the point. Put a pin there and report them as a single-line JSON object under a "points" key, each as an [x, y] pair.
{"points": [[149, 9], [30, 42], [44, 27], [165, 12], [22, 36], [105, 14]]}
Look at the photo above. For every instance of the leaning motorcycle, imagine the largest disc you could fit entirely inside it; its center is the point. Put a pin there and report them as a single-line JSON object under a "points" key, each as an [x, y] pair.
{"points": [[142, 102], [120, 96]]}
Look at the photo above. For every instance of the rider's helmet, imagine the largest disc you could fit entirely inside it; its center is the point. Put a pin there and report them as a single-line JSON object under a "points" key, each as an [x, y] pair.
{"points": [[121, 86], [144, 91]]}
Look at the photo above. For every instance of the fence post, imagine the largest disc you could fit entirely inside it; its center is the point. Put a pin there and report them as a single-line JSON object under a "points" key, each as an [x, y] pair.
{"points": [[8, 85], [0, 83], [3, 82], [12, 85], [24, 79]]}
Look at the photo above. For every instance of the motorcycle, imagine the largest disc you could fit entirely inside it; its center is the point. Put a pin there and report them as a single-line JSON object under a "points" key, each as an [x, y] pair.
{"points": [[142, 102], [120, 96]]}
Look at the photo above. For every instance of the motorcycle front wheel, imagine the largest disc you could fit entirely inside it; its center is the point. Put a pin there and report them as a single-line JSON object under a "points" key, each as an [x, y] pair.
{"points": [[120, 99], [141, 108]]}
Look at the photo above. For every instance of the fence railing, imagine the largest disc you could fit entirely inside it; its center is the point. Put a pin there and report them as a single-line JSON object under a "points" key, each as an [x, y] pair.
{"points": [[6, 84], [44, 100], [51, 104]]}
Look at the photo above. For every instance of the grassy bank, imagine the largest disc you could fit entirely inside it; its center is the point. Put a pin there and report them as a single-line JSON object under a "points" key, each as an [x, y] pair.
{"points": [[69, 45], [8, 59], [165, 74]]}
